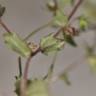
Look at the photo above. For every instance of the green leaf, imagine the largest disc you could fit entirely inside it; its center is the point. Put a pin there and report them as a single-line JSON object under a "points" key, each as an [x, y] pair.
{"points": [[69, 39], [92, 62], [60, 19], [83, 23], [38, 88], [13, 41], [50, 44], [64, 77], [2, 10]]}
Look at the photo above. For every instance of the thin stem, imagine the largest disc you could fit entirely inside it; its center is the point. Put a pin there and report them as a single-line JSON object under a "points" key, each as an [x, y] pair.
{"points": [[26, 68], [75, 9], [57, 33], [51, 69], [24, 79], [20, 66], [4, 26], [23, 83], [70, 16], [37, 30]]}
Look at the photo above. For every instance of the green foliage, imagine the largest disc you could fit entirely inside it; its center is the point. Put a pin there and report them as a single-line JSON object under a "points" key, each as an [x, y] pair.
{"points": [[38, 88], [13, 41], [83, 23], [90, 10], [60, 19], [91, 57], [50, 44], [2, 10], [92, 62]]}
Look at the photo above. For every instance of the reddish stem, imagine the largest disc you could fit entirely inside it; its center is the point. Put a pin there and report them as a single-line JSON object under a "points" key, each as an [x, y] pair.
{"points": [[24, 79], [4, 26], [74, 9]]}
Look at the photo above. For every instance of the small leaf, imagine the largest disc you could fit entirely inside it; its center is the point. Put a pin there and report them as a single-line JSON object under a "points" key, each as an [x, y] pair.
{"points": [[69, 39], [60, 19], [64, 77], [83, 23], [2, 10], [52, 6], [18, 45], [50, 44], [92, 62]]}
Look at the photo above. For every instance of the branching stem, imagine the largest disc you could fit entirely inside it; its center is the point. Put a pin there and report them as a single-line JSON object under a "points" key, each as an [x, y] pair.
{"points": [[38, 29]]}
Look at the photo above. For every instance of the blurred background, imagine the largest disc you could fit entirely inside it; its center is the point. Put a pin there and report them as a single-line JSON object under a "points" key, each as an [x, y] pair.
{"points": [[23, 16]]}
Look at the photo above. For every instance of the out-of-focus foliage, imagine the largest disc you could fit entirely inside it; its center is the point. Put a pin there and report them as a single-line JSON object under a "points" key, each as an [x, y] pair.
{"points": [[83, 23], [92, 62], [90, 9], [91, 57], [63, 3]]}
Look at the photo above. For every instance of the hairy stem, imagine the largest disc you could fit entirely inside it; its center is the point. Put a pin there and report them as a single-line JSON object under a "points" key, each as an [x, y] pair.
{"points": [[23, 84], [4, 26]]}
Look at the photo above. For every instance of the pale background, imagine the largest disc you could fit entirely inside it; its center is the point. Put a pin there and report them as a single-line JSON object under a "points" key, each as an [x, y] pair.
{"points": [[23, 16]]}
